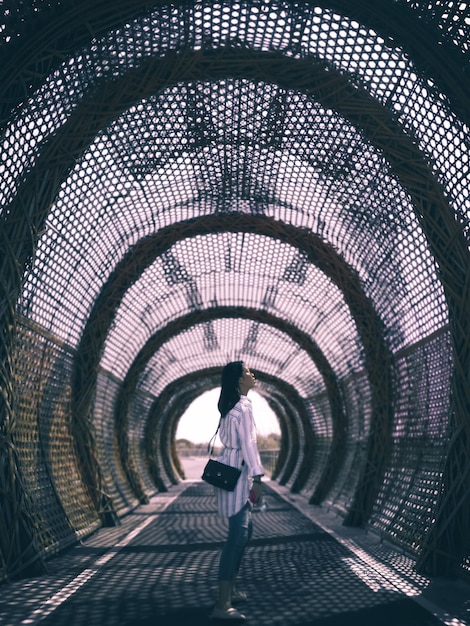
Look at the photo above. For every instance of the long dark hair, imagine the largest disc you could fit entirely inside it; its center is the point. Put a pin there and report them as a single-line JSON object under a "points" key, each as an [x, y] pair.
{"points": [[229, 394]]}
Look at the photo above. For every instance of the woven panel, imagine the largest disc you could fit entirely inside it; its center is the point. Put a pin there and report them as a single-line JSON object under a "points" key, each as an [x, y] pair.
{"points": [[404, 508], [319, 407], [139, 411], [117, 485], [47, 454], [356, 391]]}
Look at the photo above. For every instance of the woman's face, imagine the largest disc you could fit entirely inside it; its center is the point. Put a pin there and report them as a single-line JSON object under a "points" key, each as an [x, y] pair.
{"points": [[247, 380]]}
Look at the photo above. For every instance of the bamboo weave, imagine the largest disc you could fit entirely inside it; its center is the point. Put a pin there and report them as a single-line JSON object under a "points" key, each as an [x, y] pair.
{"points": [[187, 183]]}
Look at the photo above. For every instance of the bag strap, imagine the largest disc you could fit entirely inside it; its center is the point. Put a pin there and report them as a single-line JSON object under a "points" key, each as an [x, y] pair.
{"points": [[210, 448]]}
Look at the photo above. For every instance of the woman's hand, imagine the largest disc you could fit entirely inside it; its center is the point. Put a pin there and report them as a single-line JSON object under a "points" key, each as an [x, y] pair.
{"points": [[256, 491]]}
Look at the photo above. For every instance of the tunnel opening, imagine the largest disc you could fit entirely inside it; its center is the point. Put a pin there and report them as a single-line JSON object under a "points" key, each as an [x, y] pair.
{"points": [[198, 424]]}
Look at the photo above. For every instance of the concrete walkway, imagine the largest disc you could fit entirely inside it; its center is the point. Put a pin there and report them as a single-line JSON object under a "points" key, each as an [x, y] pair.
{"points": [[159, 568]]}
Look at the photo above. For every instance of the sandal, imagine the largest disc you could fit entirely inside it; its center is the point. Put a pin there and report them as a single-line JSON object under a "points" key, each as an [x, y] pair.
{"points": [[228, 614]]}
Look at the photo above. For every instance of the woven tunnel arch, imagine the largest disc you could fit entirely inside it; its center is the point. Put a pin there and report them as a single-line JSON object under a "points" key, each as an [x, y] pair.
{"points": [[162, 422], [377, 357], [128, 387], [184, 183]]}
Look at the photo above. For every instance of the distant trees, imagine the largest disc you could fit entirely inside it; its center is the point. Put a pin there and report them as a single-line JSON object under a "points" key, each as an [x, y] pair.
{"points": [[189, 448], [269, 442]]}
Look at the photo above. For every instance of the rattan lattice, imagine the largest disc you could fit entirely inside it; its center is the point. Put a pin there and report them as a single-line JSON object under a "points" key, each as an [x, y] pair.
{"points": [[182, 184]]}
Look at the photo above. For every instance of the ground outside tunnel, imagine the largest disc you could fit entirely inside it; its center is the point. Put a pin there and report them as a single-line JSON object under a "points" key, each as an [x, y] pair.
{"points": [[160, 568]]}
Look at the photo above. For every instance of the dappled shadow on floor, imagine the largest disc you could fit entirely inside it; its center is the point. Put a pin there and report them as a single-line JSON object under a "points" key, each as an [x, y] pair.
{"points": [[295, 574]]}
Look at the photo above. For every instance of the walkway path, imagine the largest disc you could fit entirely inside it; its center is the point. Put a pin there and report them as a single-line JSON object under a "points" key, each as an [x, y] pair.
{"points": [[159, 569]]}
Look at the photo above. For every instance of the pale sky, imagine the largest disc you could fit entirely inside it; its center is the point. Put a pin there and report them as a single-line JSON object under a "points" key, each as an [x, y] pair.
{"points": [[200, 420]]}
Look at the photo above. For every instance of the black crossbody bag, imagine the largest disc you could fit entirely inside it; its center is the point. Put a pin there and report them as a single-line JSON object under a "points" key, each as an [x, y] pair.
{"points": [[219, 474]]}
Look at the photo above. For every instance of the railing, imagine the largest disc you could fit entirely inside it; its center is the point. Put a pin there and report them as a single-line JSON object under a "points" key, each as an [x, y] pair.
{"points": [[268, 457]]}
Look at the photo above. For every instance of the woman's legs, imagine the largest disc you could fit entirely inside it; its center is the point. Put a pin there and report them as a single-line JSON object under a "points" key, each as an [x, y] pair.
{"points": [[239, 533], [238, 561], [241, 552]]}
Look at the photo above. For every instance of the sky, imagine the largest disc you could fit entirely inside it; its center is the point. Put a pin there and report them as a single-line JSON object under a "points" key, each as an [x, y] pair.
{"points": [[199, 422]]}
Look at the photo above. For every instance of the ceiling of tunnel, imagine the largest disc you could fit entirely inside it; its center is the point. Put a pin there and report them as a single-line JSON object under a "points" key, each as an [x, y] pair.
{"points": [[138, 176], [365, 56], [233, 269], [198, 147], [238, 338]]}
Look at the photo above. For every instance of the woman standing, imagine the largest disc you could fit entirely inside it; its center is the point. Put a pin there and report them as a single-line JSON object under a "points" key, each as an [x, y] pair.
{"points": [[237, 433]]}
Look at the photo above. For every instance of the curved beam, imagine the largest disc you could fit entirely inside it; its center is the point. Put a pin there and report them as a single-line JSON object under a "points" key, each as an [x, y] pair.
{"points": [[445, 234], [377, 358], [181, 401], [53, 36], [310, 76], [162, 421], [176, 327], [299, 459], [278, 406], [145, 252]]}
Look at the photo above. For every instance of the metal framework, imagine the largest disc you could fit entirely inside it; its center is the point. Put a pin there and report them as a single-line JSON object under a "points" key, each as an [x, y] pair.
{"points": [[186, 183]]}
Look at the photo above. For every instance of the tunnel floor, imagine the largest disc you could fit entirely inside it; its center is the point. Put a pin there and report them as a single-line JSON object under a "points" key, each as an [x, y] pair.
{"points": [[159, 568]]}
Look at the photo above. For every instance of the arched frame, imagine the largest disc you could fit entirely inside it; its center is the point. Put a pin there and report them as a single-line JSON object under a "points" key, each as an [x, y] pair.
{"points": [[443, 231]]}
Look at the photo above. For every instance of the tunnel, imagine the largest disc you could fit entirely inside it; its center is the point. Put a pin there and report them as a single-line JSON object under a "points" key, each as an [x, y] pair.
{"points": [[189, 183]]}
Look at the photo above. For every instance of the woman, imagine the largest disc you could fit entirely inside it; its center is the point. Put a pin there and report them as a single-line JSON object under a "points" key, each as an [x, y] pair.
{"points": [[238, 434]]}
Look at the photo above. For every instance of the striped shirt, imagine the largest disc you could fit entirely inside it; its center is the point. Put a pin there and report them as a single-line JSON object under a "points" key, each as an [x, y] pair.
{"points": [[237, 432]]}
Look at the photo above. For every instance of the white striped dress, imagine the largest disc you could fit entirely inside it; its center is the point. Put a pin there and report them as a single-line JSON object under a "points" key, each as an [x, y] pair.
{"points": [[237, 432]]}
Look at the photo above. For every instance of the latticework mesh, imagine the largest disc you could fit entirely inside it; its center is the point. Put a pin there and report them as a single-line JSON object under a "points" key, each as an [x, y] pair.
{"points": [[183, 184]]}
